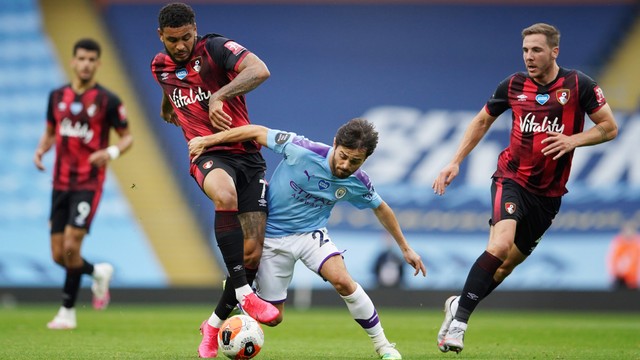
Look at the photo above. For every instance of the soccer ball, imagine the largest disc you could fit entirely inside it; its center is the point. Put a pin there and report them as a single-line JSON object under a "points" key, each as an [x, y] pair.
{"points": [[240, 337]]}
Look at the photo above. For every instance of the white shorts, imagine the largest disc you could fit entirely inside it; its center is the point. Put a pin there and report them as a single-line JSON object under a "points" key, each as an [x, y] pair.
{"points": [[279, 258]]}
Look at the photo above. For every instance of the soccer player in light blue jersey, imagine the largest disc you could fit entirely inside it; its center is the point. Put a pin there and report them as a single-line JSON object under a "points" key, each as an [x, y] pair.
{"points": [[303, 190]]}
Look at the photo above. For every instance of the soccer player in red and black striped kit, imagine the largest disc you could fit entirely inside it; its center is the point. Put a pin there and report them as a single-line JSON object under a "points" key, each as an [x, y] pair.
{"points": [[548, 105], [204, 79], [80, 116]]}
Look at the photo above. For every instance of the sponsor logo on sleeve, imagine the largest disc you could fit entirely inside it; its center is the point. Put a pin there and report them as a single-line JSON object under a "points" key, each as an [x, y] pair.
{"points": [[234, 47], [599, 95], [282, 137], [122, 112]]}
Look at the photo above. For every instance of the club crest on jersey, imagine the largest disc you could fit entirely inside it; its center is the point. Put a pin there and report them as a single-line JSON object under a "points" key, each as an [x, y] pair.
{"points": [[562, 95], [542, 98], [341, 192], [510, 208], [207, 165], [323, 184], [75, 108], [182, 73], [91, 110], [196, 64]]}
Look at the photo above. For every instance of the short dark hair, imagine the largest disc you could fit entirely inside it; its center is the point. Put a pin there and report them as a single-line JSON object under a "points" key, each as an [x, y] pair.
{"points": [[175, 15], [550, 31], [87, 44], [356, 134]]}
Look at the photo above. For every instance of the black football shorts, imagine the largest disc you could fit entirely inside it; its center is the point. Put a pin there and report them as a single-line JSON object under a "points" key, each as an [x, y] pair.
{"points": [[75, 208], [533, 213], [247, 172]]}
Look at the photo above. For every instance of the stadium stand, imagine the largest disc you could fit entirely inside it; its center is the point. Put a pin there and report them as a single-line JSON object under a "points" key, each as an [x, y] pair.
{"points": [[24, 88]]}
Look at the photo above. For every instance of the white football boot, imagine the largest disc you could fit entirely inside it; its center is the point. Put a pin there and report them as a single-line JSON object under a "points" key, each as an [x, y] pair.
{"points": [[65, 319], [450, 308], [102, 274]]}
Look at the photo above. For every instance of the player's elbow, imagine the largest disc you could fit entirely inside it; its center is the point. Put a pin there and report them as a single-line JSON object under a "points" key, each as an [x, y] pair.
{"points": [[263, 74], [613, 133]]}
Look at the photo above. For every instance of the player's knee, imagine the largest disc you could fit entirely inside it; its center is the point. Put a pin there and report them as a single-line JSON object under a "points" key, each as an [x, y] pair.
{"points": [[225, 200], [344, 286], [58, 259]]}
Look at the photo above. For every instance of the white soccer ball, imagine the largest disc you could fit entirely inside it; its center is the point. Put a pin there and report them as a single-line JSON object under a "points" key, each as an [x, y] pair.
{"points": [[240, 337]]}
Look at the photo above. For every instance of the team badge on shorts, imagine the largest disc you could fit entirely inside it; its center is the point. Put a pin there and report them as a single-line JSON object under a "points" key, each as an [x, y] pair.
{"points": [[562, 95], [207, 165], [510, 208]]}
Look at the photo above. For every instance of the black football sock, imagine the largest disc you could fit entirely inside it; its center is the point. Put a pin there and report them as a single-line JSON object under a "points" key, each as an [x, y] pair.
{"points": [[71, 287], [227, 302], [231, 243], [251, 274], [87, 267], [494, 285], [478, 283]]}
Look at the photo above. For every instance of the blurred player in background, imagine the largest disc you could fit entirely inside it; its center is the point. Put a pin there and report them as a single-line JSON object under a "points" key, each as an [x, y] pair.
{"points": [[548, 106], [80, 116], [623, 259], [304, 188], [204, 79]]}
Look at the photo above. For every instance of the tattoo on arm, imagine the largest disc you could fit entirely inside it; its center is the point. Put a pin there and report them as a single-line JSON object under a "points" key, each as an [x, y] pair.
{"points": [[603, 132]]}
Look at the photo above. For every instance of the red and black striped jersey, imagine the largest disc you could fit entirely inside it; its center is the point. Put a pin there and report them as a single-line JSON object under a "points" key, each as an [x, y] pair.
{"points": [[559, 107], [213, 64], [82, 123]]}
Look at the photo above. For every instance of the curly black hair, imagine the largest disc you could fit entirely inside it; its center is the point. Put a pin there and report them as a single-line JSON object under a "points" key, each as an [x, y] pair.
{"points": [[358, 133], [176, 15]]}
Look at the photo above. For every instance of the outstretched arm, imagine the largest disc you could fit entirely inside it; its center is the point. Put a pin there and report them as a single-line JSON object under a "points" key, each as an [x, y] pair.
{"points": [[200, 144], [387, 218], [472, 136]]}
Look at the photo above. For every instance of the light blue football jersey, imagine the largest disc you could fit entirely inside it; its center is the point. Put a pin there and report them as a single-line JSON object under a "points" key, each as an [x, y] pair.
{"points": [[302, 191]]}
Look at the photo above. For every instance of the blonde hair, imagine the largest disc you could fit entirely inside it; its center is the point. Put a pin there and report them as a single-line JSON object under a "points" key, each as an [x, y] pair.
{"points": [[550, 31]]}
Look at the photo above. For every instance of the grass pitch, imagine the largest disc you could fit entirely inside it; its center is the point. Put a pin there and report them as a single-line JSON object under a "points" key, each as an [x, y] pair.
{"points": [[171, 332]]}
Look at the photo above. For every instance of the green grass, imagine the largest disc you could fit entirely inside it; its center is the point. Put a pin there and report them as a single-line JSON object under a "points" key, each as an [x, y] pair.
{"points": [[171, 332]]}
